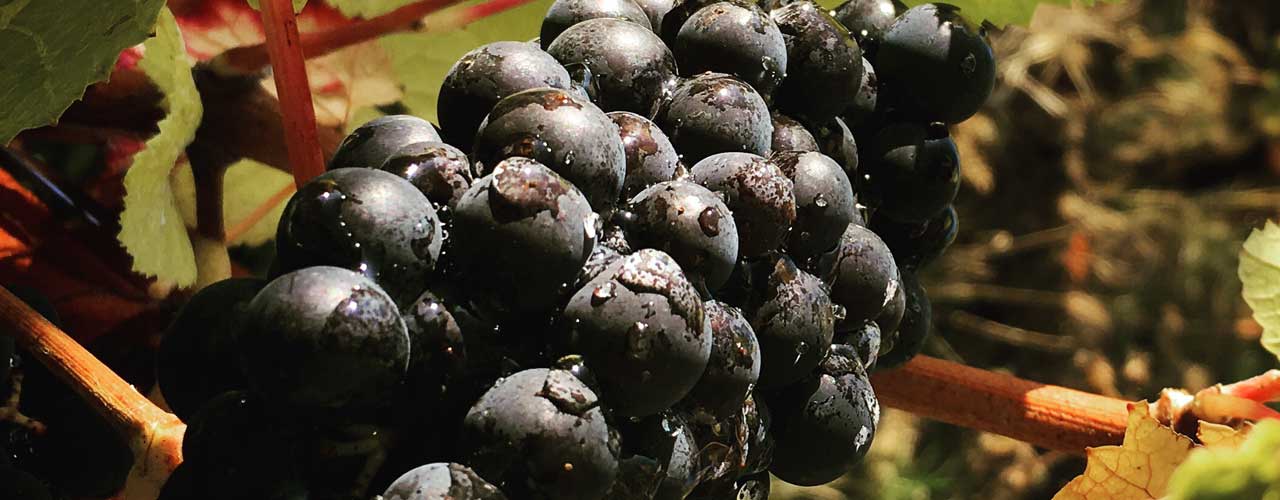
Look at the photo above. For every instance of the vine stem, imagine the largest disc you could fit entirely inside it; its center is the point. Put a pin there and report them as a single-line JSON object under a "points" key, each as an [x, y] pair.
{"points": [[154, 435], [285, 50], [1053, 417]]}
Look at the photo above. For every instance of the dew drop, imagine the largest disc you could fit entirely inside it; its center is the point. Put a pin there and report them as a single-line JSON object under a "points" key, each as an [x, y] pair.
{"points": [[602, 294]]}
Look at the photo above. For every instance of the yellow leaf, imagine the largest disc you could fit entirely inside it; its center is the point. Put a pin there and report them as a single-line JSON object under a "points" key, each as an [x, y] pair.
{"points": [[1138, 469], [348, 80], [247, 186], [1221, 436], [151, 225]]}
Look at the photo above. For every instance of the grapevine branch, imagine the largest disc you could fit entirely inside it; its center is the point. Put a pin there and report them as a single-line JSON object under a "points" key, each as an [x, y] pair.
{"points": [[154, 436], [285, 50], [1044, 415]]}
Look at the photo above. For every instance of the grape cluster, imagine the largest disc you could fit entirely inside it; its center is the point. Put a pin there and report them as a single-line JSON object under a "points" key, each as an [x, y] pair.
{"points": [[653, 254]]}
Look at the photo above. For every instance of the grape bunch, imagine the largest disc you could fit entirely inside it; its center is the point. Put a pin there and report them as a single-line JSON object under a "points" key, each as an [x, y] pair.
{"points": [[653, 254]]}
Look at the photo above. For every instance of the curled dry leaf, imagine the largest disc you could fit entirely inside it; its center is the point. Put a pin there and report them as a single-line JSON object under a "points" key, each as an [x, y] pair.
{"points": [[1138, 469]]}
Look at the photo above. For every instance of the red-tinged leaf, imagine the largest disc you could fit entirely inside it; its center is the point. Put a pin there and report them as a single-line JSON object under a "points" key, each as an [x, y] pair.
{"points": [[342, 82], [39, 252]]}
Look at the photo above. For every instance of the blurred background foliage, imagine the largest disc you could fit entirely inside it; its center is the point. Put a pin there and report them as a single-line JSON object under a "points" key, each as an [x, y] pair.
{"points": [[1109, 183]]}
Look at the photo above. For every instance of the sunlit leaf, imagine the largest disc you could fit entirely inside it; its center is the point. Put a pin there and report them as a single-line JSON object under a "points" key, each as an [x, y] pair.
{"points": [[54, 49], [1221, 436], [151, 227], [297, 4], [1138, 469], [1250, 470], [369, 8], [247, 186], [342, 82], [422, 59], [1260, 274], [349, 80]]}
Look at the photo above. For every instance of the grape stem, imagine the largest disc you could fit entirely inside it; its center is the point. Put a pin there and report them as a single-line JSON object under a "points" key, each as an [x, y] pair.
{"points": [[284, 47], [154, 436], [1049, 416]]}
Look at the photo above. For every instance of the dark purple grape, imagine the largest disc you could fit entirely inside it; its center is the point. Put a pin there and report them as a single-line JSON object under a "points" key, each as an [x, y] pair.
{"points": [[716, 113], [372, 143], [825, 203], [758, 194], [442, 481], [836, 141], [197, 359], [365, 220], [890, 317], [861, 273], [915, 245], [917, 322], [521, 235], [865, 340], [691, 224], [911, 172], [631, 69], [541, 434], [641, 327], [863, 108], [790, 135], [483, 77], [938, 66], [734, 365], [570, 136], [794, 321], [439, 352], [232, 448], [681, 11], [737, 445], [824, 63], [867, 20], [650, 156], [565, 14], [825, 423], [602, 256], [323, 343], [656, 10], [736, 39], [440, 171], [660, 458]]}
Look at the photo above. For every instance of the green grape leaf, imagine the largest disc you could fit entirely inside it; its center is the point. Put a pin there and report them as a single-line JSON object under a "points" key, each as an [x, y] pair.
{"points": [[422, 59], [151, 226], [353, 8], [1002, 13], [1249, 470], [54, 49], [1260, 274], [368, 8], [247, 186], [297, 4]]}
